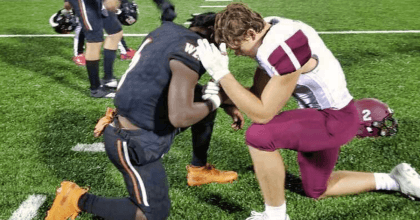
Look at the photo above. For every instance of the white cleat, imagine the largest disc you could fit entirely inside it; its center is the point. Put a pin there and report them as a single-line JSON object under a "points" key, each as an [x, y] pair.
{"points": [[110, 83], [408, 179], [261, 216]]}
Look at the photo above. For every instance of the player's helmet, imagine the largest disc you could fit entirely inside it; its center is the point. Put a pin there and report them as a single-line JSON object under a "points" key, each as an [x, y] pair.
{"points": [[375, 118], [64, 21], [127, 14]]}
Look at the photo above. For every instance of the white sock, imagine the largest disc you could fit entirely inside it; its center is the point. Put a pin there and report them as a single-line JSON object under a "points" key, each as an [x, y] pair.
{"points": [[384, 181], [121, 48], [276, 212]]}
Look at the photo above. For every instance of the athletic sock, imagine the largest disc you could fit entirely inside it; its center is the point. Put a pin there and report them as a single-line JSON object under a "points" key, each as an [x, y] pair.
{"points": [[108, 208], [121, 48], [92, 67], [385, 182], [276, 212], [81, 43], [124, 43], [109, 57]]}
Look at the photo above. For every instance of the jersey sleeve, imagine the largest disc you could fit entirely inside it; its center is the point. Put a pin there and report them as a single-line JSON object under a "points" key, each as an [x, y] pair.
{"points": [[283, 55], [186, 52]]}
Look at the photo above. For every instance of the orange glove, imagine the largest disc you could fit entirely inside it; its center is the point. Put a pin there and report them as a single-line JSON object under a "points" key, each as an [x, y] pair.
{"points": [[103, 122]]}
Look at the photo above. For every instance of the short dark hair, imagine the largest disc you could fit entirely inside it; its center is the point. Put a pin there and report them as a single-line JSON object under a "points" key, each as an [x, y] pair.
{"points": [[205, 20], [203, 25]]}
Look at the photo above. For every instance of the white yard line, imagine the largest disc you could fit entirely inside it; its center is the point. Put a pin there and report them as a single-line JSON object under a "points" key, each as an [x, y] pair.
{"points": [[371, 32], [60, 35], [212, 6], [143, 35], [29, 208], [95, 147]]}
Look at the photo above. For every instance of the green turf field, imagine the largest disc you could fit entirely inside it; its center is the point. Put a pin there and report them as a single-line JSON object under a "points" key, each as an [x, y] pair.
{"points": [[46, 110]]}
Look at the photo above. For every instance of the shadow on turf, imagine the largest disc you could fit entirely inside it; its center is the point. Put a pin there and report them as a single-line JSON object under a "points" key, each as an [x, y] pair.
{"points": [[293, 183], [45, 57], [218, 200]]}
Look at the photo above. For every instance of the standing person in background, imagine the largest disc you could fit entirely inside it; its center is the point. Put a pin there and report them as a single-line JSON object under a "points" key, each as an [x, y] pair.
{"points": [[94, 17]]}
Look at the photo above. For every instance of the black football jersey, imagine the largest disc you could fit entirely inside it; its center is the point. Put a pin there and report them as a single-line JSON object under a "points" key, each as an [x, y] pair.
{"points": [[142, 95]]}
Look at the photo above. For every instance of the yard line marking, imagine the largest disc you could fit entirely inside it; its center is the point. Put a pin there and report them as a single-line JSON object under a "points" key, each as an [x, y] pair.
{"points": [[29, 208], [95, 147], [212, 6], [187, 23], [370, 32], [143, 35], [63, 35]]}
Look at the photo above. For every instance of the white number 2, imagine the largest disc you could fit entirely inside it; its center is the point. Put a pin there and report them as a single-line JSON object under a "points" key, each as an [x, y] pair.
{"points": [[366, 115]]}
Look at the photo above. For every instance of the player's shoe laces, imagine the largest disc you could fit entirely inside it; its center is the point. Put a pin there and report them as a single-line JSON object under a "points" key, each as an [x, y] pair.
{"points": [[208, 174], [65, 202], [408, 179], [80, 60], [262, 216], [129, 54], [101, 92], [110, 83]]}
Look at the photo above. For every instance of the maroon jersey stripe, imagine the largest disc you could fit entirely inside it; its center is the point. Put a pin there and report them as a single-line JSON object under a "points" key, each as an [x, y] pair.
{"points": [[299, 45], [281, 61]]}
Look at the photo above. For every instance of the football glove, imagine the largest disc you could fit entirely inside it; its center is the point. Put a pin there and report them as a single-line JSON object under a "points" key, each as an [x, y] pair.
{"points": [[216, 62], [103, 122], [211, 92]]}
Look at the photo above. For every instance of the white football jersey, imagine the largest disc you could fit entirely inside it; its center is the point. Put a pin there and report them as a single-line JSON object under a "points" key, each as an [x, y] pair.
{"points": [[287, 46]]}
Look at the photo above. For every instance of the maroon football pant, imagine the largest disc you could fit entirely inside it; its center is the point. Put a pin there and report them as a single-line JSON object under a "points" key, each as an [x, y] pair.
{"points": [[315, 134]]}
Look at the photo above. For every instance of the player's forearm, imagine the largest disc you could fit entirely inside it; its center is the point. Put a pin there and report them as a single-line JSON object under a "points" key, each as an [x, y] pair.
{"points": [[186, 117], [247, 102]]}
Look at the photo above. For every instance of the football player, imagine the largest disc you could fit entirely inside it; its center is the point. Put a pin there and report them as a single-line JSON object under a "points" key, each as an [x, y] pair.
{"points": [[293, 61], [156, 97], [126, 53], [95, 16]]}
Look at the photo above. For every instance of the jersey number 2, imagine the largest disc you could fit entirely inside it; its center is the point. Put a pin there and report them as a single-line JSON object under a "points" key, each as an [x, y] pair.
{"points": [[366, 115]]}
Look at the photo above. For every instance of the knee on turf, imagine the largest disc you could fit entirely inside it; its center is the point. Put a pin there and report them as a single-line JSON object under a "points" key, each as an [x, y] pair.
{"points": [[314, 193]]}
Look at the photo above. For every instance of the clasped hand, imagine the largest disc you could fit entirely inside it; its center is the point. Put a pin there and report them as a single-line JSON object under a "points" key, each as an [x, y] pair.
{"points": [[214, 60]]}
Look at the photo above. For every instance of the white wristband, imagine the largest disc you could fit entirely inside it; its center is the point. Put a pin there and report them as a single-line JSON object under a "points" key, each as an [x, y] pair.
{"points": [[215, 100]]}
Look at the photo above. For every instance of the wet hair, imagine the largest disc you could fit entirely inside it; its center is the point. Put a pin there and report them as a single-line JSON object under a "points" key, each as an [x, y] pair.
{"points": [[234, 21]]}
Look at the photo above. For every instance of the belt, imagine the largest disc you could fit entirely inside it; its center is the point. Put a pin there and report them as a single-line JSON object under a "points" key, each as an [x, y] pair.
{"points": [[124, 123]]}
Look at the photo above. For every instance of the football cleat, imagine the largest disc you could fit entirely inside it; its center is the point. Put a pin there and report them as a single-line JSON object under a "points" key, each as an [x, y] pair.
{"points": [[128, 55], [110, 83], [208, 174], [79, 60], [261, 216], [101, 93], [66, 201], [408, 179]]}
